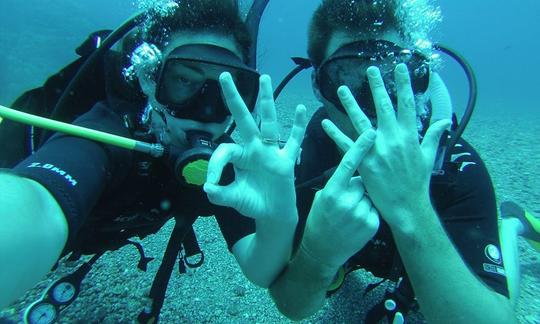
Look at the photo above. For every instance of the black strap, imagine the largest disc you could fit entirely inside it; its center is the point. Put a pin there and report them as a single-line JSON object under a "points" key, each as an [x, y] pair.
{"points": [[372, 286], [161, 280], [143, 261], [191, 249]]}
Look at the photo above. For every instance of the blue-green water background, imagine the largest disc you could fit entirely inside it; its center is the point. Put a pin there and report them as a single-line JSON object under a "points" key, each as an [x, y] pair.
{"points": [[499, 38]]}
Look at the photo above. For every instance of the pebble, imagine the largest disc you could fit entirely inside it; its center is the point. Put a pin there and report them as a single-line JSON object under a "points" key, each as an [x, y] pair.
{"points": [[239, 291]]}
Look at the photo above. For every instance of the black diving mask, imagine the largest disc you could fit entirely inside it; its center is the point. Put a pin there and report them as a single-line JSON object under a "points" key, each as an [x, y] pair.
{"points": [[188, 85], [348, 66]]}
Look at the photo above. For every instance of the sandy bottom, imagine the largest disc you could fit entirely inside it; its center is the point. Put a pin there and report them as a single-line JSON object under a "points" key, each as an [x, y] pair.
{"points": [[217, 292]]}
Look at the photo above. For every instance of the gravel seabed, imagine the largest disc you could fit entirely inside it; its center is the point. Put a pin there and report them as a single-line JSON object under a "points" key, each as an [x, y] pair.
{"points": [[217, 292]]}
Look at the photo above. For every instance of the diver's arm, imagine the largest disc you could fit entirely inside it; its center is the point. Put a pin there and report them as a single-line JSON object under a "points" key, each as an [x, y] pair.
{"points": [[336, 229], [264, 254], [341, 221], [263, 188], [447, 290], [33, 233], [300, 290]]}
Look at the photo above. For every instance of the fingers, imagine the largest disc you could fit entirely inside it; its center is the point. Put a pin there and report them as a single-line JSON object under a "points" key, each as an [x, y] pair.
{"points": [[292, 147], [352, 159], [341, 140], [244, 121], [406, 104], [359, 120], [269, 125], [386, 117], [432, 139], [225, 153]]}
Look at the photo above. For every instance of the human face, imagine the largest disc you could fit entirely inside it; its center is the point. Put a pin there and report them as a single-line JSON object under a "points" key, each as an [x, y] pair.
{"points": [[336, 42], [173, 129], [188, 84]]}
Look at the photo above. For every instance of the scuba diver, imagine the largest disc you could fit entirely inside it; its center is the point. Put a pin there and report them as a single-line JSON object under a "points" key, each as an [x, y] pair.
{"points": [[80, 196], [402, 203]]}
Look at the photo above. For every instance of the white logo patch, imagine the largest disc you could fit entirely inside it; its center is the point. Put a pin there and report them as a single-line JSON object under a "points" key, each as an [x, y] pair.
{"points": [[493, 254], [464, 164], [56, 170], [457, 156], [494, 269]]}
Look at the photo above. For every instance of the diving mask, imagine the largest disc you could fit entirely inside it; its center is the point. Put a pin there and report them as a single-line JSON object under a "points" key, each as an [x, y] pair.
{"points": [[188, 85], [348, 66]]}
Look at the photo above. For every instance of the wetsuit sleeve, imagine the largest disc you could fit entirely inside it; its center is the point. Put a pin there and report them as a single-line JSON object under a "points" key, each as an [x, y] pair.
{"points": [[76, 171], [468, 211]]}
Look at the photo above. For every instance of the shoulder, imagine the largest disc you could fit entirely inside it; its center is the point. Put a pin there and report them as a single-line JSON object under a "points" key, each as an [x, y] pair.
{"points": [[465, 175], [465, 154], [107, 117], [100, 111], [465, 190], [467, 208]]}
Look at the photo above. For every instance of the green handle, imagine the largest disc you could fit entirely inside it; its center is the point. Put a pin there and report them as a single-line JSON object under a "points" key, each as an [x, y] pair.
{"points": [[91, 134], [65, 128]]}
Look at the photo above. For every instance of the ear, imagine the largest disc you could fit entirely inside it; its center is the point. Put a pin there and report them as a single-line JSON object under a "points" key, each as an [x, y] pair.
{"points": [[315, 86], [148, 86]]}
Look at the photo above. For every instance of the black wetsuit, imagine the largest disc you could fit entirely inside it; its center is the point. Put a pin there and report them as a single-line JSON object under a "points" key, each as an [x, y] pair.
{"points": [[463, 198], [109, 193]]}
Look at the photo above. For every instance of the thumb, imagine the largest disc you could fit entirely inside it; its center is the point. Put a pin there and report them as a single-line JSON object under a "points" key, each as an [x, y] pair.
{"points": [[431, 141]]}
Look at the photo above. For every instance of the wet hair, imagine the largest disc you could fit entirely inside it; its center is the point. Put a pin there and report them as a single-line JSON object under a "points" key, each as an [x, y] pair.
{"points": [[366, 18], [221, 17]]}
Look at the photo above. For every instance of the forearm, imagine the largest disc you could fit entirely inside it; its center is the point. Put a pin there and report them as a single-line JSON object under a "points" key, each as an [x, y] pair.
{"points": [[264, 254], [300, 290], [33, 232], [447, 290]]}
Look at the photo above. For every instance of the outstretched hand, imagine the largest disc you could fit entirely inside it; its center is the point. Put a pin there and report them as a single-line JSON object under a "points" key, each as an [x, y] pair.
{"points": [[397, 170], [263, 188]]}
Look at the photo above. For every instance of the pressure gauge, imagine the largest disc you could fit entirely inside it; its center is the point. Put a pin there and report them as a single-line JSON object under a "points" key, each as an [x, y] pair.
{"points": [[41, 312], [64, 292]]}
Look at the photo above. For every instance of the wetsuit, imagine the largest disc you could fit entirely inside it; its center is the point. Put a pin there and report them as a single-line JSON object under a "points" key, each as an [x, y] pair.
{"points": [[110, 194], [463, 198]]}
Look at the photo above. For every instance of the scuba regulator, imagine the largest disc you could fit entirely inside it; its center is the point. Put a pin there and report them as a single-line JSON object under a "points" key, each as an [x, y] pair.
{"points": [[190, 165]]}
